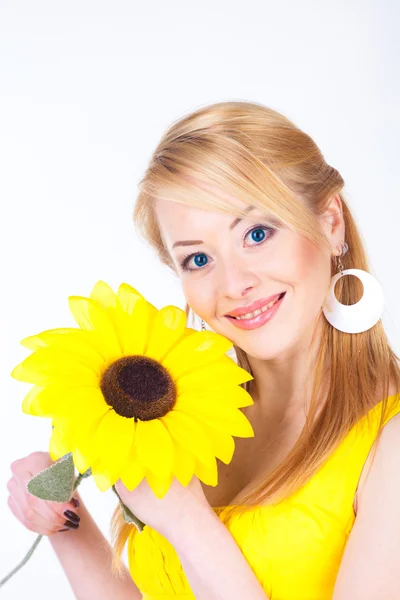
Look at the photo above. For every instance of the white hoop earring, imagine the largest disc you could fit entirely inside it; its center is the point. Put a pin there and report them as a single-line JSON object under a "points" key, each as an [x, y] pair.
{"points": [[363, 315]]}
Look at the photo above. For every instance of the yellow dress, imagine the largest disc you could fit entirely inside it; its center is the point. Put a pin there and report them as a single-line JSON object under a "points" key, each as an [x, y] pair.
{"points": [[294, 547]]}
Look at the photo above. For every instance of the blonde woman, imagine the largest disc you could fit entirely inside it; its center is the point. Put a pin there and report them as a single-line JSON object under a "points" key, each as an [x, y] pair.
{"points": [[240, 204]]}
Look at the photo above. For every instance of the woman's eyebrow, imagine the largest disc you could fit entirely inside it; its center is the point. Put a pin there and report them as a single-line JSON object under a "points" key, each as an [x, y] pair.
{"points": [[195, 242]]}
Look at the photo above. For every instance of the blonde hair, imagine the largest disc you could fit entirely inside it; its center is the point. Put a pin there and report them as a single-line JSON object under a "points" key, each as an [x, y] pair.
{"points": [[262, 158]]}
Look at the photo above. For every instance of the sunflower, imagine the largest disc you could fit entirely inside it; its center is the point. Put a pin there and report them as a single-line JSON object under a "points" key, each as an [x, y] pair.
{"points": [[134, 393]]}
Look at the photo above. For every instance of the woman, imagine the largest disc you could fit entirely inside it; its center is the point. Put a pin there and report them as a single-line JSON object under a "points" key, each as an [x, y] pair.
{"points": [[243, 208]]}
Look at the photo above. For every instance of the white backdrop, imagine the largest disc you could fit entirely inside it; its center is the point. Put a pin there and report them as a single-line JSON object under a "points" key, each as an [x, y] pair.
{"points": [[86, 90]]}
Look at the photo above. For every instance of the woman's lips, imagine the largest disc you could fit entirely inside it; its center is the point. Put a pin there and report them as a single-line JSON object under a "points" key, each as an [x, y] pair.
{"points": [[260, 319]]}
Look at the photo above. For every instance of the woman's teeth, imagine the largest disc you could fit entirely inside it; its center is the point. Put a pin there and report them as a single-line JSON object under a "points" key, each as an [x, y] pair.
{"points": [[251, 315]]}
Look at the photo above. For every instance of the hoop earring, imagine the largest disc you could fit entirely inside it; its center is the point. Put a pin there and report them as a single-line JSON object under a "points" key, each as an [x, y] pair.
{"points": [[362, 315]]}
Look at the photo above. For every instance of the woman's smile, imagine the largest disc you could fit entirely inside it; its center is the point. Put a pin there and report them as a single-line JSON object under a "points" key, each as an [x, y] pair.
{"points": [[257, 320]]}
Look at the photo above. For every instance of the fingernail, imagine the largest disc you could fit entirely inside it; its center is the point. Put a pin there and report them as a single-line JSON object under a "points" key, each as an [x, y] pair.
{"points": [[76, 502], [66, 529], [72, 516], [71, 525]]}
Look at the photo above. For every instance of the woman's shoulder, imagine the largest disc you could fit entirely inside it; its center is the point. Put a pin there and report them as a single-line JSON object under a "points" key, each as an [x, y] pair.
{"points": [[392, 396], [393, 404]]}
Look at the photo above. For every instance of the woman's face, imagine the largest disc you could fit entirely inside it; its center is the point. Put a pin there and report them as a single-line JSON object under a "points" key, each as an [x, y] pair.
{"points": [[232, 266]]}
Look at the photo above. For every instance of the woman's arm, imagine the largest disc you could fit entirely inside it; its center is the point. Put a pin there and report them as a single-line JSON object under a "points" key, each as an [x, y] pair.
{"points": [[85, 555], [371, 561], [212, 561]]}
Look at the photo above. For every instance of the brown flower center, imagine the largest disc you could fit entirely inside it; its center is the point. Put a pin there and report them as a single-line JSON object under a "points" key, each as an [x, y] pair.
{"points": [[138, 386]]}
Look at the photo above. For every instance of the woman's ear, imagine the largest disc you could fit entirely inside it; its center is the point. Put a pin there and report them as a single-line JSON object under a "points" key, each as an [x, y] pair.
{"points": [[333, 222]]}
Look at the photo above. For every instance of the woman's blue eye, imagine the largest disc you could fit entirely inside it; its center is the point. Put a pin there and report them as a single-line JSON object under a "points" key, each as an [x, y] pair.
{"points": [[199, 256]]}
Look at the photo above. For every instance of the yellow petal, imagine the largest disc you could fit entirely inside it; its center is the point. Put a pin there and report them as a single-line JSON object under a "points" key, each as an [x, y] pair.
{"points": [[184, 463], [154, 447], [131, 329], [47, 364], [152, 312], [188, 331], [133, 471], [34, 342], [128, 297], [213, 376], [196, 350], [91, 316], [169, 326], [62, 423], [208, 474], [108, 299], [233, 422], [240, 397], [132, 476], [104, 295], [159, 485], [134, 329], [216, 401], [112, 441], [58, 445], [74, 403], [30, 404], [212, 412], [82, 433], [78, 434], [77, 343], [132, 303], [222, 443], [189, 432], [101, 481], [81, 462]]}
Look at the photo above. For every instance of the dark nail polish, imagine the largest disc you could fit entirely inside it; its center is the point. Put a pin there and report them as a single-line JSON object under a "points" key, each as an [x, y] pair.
{"points": [[71, 525], [72, 516], [66, 529], [76, 502]]}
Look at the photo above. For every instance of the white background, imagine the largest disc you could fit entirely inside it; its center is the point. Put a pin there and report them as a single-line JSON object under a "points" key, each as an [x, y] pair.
{"points": [[86, 90]]}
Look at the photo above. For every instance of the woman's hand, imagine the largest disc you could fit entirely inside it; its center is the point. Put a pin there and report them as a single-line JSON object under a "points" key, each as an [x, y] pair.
{"points": [[165, 514], [42, 516]]}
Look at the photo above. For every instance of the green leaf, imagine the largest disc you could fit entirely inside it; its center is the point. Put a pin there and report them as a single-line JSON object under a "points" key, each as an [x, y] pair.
{"points": [[56, 483], [128, 515]]}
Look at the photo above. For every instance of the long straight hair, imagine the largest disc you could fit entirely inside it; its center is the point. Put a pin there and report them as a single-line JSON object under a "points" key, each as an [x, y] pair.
{"points": [[262, 158]]}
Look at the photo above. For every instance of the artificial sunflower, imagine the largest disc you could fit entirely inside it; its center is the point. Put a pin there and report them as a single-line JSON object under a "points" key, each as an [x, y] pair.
{"points": [[134, 393]]}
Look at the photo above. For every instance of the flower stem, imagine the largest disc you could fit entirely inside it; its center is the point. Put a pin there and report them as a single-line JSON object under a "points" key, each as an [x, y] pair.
{"points": [[23, 561], [77, 481]]}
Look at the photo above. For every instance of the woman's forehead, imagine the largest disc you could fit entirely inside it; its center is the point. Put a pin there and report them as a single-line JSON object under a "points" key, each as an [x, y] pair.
{"points": [[176, 216], [175, 219]]}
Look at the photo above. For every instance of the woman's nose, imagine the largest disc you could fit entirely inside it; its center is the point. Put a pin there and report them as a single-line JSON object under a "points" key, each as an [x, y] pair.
{"points": [[236, 280]]}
